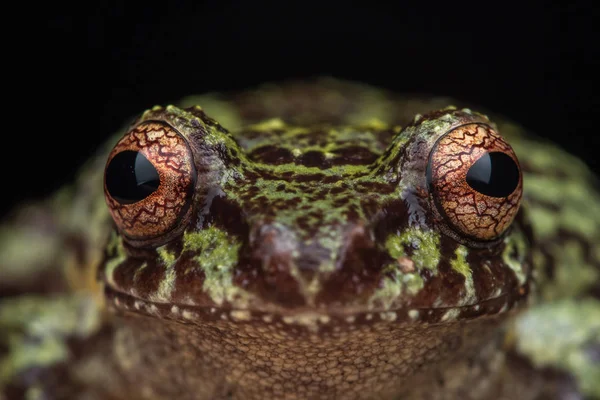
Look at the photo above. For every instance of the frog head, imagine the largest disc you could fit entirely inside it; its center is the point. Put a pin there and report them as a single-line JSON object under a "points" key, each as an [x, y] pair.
{"points": [[316, 224]]}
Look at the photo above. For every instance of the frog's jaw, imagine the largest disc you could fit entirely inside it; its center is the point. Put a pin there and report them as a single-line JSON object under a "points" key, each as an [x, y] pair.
{"points": [[256, 356], [427, 278]]}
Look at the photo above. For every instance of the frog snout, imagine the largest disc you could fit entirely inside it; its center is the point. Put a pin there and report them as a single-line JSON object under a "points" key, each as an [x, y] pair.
{"points": [[290, 263], [327, 248]]}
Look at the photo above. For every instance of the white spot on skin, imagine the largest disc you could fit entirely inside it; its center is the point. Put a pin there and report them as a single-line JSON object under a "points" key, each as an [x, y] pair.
{"points": [[413, 314], [188, 315], [324, 319], [175, 310], [267, 318], [166, 286], [188, 301], [369, 317], [451, 314], [350, 319], [241, 315], [308, 319], [388, 316]]}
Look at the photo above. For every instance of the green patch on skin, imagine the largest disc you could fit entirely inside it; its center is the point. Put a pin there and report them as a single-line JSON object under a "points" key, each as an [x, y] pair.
{"points": [[516, 242], [395, 284], [374, 123], [413, 282], [390, 290], [166, 256], [573, 274], [426, 254], [166, 287], [34, 330], [546, 157], [34, 393], [579, 207], [138, 271], [167, 284], [268, 125], [18, 261], [374, 105], [564, 208], [564, 182], [425, 245], [460, 265], [563, 335], [217, 256], [115, 247], [395, 247], [116, 254], [330, 239], [343, 171]]}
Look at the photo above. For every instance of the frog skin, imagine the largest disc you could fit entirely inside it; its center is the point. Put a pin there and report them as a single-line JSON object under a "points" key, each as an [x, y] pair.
{"points": [[308, 240]]}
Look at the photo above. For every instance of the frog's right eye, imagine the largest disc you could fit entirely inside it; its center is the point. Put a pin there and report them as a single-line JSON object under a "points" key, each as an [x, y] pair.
{"points": [[149, 180]]}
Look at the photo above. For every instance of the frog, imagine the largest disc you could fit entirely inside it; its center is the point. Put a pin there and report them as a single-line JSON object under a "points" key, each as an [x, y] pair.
{"points": [[310, 239]]}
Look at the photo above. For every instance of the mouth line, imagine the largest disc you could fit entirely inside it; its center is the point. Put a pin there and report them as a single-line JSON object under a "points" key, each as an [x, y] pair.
{"points": [[312, 317]]}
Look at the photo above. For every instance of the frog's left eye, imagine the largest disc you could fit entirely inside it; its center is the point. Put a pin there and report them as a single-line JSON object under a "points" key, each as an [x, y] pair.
{"points": [[475, 181], [149, 181]]}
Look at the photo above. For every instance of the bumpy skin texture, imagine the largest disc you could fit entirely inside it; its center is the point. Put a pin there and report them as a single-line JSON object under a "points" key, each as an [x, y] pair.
{"points": [[312, 260]]}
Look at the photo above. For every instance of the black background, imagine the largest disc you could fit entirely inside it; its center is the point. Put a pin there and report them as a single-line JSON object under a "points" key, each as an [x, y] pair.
{"points": [[79, 73]]}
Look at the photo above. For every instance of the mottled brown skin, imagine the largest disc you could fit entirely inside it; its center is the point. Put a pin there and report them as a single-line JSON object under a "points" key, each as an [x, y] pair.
{"points": [[268, 231], [236, 301], [238, 351], [254, 359]]}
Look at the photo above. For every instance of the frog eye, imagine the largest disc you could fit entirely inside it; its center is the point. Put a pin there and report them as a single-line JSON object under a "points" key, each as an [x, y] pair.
{"points": [[148, 181], [475, 181]]}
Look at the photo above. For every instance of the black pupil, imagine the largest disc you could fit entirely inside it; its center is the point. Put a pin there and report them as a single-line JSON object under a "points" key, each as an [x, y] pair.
{"points": [[495, 174], [130, 177]]}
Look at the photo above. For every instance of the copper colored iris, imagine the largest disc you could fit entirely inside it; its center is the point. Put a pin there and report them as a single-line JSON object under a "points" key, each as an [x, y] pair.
{"points": [[148, 180], [475, 181]]}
